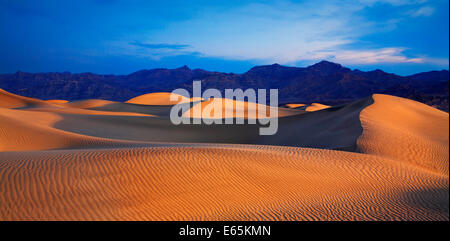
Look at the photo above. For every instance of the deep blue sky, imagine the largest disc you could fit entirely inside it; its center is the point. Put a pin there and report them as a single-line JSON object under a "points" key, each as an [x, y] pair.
{"points": [[120, 37]]}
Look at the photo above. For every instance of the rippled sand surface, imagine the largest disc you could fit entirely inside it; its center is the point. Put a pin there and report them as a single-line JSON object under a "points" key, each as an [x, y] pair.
{"points": [[383, 158]]}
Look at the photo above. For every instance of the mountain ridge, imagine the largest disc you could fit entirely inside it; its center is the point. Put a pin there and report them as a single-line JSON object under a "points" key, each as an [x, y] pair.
{"points": [[324, 82]]}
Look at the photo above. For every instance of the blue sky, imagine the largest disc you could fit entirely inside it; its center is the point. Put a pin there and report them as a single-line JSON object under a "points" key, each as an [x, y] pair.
{"points": [[120, 37]]}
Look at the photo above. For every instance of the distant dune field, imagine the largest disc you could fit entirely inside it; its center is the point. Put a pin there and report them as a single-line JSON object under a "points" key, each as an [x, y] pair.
{"points": [[379, 158]]}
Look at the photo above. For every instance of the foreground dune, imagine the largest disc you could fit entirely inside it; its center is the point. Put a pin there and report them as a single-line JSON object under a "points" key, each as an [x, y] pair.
{"points": [[216, 182], [381, 158]]}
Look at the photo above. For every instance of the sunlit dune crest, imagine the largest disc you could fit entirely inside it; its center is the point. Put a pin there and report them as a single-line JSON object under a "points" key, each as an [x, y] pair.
{"points": [[161, 98], [9, 100], [407, 131], [229, 108], [57, 101], [105, 160], [307, 107], [316, 107], [294, 105]]}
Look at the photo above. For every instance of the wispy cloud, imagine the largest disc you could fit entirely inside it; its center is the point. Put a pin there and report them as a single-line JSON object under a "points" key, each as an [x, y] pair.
{"points": [[422, 12], [285, 32], [383, 55], [160, 45], [289, 32], [393, 2]]}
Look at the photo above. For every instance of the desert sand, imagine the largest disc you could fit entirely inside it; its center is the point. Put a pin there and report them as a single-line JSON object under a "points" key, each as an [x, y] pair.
{"points": [[57, 101], [380, 158], [235, 109], [294, 105], [161, 98], [316, 107], [307, 107]]}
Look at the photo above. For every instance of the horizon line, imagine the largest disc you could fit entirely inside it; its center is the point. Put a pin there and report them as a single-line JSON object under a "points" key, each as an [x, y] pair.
{"points": [[214, 71]]}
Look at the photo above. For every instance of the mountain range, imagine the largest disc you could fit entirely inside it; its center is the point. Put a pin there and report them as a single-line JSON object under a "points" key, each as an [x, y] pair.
{"points": [[324, 82]]}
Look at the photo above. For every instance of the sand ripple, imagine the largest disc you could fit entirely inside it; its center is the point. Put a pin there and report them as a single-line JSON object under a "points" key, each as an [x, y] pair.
{"points": [[216, 182], [93, 160]]}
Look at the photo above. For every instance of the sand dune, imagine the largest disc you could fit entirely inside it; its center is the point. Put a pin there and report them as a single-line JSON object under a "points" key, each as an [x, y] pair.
{"points": [[294, 105], [334, 128], [307, 107], [235, 109], [408, 131], [92, 103], [78, 111], [23, 130], [9, 100], [380, 158], [316, 107], [216, 183], [57, 101], [160, 98]]}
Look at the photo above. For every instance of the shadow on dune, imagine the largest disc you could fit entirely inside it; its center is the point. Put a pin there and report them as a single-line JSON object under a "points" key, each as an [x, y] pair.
{"points": [[337, 127], [433, 201]]}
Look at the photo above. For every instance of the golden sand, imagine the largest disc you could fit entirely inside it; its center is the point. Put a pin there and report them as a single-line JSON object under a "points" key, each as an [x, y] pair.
{"points": [[103, 160]]}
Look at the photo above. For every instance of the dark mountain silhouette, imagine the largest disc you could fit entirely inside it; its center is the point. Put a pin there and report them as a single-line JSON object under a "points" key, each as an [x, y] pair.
{"points": [[325, 82]]}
